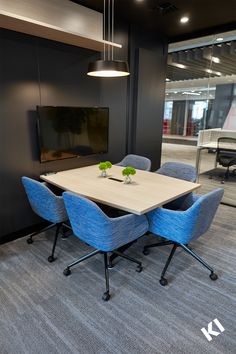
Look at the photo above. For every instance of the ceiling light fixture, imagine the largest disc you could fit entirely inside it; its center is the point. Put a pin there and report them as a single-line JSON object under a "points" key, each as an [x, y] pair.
{"points": [[219, 39], [167, 79], [216, 60], [191, 93], [108, 67], [184, 19]]}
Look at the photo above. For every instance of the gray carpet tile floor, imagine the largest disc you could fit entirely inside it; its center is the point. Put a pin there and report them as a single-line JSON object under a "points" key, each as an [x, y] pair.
{"points": [[208, 184], [42, 311]]}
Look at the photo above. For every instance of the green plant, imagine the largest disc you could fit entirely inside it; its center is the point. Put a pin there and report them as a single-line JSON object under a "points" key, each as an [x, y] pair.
{"points": [[103, 166], [128, 171]]}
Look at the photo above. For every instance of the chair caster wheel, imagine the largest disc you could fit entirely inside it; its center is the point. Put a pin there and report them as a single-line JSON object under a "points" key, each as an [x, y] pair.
{"points": [[51, 259], [163, 281], [29, 240], [67, 272], [145, 251], [106, 296], [213, 276], [139, 269]]}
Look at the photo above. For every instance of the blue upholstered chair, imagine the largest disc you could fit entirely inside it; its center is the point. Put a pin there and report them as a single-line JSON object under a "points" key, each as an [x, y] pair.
{"points": [[136, 161], [178, 170], [105, 234], [181, 227], [47, 205], [181, 171]]}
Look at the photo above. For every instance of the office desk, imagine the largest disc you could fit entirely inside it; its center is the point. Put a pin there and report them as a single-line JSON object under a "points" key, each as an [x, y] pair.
{"points": [[210, 146], [147, 191]]}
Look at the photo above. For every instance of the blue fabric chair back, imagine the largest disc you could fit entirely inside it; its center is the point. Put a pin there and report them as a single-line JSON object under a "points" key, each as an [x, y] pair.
{"points": [[178, 170], [44, 202], [136, 161], [187, 224], [93, 226], [203, 211]]}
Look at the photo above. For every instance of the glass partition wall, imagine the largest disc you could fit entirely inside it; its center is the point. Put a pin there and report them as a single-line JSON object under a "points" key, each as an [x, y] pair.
{"points": [[200, 87], [201, 95]]}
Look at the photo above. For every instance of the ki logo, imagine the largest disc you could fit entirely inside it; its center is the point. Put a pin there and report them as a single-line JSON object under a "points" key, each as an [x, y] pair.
{"points": [[210, 332]]}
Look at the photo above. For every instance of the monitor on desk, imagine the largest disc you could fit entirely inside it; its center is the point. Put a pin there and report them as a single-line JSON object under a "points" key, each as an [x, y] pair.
{"points": [[66, 132]]}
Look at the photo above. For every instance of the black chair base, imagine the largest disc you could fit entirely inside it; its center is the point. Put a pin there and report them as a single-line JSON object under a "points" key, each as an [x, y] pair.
{"points": [[225, 176], [163, 281], [30, 240], [106, 296], [119, 253]]}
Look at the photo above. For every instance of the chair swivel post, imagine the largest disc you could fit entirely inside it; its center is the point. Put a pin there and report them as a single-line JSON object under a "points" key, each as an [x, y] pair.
{"points": [[51, 258], [163, 281], [106, 296]]}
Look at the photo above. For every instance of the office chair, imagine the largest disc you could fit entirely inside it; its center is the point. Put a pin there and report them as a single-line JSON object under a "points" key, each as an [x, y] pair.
{"points": [[178, 170], [48, 206], [136, 161], [226, 154], [93, 226], [178, 228], [181, 171]]}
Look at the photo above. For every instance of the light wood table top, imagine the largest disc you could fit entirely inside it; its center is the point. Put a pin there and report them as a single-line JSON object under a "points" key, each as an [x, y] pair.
{"points": [[147, 191]]}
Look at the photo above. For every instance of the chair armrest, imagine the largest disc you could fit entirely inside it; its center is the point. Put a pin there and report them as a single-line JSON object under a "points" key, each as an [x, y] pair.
{"points": [[165, 222]]}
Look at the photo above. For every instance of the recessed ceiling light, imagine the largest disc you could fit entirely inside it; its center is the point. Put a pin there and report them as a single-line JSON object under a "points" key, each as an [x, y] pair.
{"points": [[175, 92], [218, 73], [184, 19], [219, 39], [167, 79], [216, 60]]}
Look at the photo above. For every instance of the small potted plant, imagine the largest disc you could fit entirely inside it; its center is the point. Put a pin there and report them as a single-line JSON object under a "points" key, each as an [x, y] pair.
{"points": [[127, 172], [103, 166]]}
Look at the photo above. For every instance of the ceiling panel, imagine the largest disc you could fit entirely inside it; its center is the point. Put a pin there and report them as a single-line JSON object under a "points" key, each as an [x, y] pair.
{"points": [[161, 16]]}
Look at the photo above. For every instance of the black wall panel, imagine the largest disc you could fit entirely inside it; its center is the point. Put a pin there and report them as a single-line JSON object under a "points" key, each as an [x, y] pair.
{"points": [[148, 59], [35, 71]]}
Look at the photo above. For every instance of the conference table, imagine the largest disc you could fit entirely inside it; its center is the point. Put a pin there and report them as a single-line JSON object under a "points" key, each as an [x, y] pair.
{"points": [[147, 191]]}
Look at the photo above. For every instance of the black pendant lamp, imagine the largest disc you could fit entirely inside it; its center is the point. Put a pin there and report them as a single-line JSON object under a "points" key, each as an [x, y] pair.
{"points": [[108, 67]]}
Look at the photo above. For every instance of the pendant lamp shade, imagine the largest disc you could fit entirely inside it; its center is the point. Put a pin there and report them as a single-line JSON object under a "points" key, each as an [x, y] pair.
{"points": [[108, 68]]}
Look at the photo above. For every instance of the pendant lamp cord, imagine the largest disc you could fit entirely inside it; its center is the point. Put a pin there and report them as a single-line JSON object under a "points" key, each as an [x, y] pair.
{"points": [[109, 33], [39, 76], [109, 29], [104, 29], [112, 31]]}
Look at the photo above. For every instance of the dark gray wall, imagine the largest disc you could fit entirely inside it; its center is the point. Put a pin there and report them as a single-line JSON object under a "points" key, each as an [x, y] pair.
{"points": [[148, 56], [224, 96], [34, 71]]}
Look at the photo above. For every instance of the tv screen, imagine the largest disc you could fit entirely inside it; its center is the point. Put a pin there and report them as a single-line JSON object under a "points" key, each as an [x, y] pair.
{"points": [[66, 132]]}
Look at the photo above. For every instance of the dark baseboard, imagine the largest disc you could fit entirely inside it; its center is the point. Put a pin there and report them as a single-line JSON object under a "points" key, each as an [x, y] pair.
{"points": [[180, 141], [21, 233]]}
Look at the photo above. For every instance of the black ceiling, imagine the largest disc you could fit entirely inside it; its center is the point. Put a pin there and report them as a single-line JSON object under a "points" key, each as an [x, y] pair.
{"points": [[206, 16]]}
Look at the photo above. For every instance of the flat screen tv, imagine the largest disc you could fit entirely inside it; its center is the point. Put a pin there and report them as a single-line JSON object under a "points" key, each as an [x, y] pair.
{"points": [[66, 132]]}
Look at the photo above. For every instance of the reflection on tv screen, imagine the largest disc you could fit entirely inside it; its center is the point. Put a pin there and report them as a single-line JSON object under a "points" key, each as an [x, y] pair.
{"points": [[66, 132]]}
